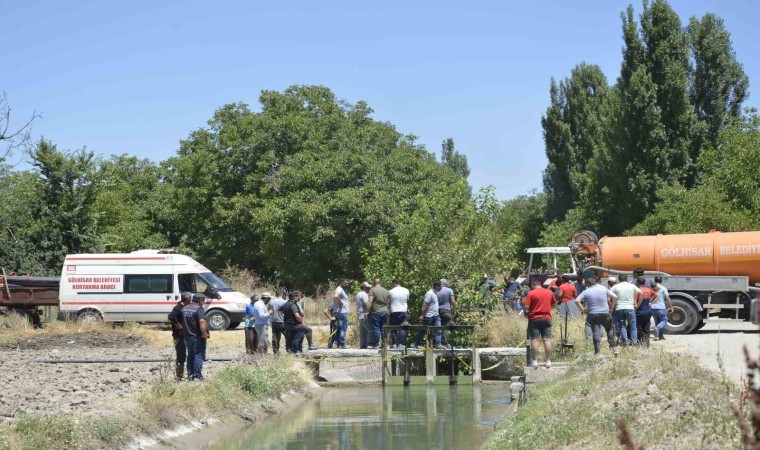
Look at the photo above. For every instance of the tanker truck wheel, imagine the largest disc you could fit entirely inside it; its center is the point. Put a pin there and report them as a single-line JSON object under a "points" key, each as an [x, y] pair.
{"points": [[684, 317]]}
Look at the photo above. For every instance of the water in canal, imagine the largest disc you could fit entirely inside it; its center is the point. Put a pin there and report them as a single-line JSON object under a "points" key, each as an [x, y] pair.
{"points": [[435, 417]]}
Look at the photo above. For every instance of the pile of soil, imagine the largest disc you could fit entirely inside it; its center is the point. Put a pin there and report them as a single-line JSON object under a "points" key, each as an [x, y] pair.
{"points": [[86, 339]]}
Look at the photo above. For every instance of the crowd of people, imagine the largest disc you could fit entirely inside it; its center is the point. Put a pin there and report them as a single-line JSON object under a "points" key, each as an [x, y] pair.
{"points": [[622, 310], [375, 306]]}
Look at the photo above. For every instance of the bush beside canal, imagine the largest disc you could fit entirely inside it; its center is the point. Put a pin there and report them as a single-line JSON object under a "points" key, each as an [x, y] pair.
{"points": [[667, 401], [163, 405]]}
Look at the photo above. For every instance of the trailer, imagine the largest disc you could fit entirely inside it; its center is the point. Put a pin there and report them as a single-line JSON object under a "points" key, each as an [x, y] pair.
{"points": [[26, 295]]}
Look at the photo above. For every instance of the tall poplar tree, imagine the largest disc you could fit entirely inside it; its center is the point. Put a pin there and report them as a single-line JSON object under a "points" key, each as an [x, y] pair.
{"points": [[719, 85], [573, 127]]}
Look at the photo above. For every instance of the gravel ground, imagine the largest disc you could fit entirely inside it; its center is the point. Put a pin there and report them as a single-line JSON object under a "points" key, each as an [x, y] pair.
{"points": [[726, 340], [32, 387]]}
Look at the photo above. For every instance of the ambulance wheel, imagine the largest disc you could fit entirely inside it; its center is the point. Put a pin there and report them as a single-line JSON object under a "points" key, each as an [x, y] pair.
{"points": [[233, 325], [89, 316], [217, 320]]}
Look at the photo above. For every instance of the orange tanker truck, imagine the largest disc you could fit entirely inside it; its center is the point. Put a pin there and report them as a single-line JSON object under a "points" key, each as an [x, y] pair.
{"points": [[711, 276]]}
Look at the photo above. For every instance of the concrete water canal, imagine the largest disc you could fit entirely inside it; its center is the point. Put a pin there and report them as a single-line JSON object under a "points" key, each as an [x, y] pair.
{"points": [[376, 417]]}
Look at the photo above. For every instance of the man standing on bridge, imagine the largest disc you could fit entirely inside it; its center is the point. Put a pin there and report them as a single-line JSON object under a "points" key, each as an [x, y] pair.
{"points": [[340, 311], [399, 296], [429, 315], [379, 299], [362, 313], [538, 306], [447, 307], [175, 317]]}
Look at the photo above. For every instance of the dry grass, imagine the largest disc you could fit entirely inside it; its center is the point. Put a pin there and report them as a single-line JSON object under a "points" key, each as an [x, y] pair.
{"points": [[246, 281], [667, 402], [510, 330], [164, 404], [14, 328]]}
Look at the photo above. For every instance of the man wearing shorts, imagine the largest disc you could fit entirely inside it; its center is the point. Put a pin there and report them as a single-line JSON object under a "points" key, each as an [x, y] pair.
{"points": [[538, 306]]}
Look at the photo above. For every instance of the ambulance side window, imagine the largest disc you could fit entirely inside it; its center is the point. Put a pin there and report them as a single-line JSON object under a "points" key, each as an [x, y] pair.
{"points": [[148, 284], [191, 282]]}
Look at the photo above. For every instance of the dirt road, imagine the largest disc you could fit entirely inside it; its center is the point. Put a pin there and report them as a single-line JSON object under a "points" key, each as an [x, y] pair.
{"points": [[718, 345]]}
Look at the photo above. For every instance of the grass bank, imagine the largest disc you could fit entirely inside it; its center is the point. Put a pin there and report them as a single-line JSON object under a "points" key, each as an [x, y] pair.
{"points": [[164, 404], [667, 401]]}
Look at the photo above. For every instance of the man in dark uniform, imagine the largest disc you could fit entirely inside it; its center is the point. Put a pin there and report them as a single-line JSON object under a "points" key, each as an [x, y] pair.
{"points": [[294, 327], [175, 317], [196, 333]]}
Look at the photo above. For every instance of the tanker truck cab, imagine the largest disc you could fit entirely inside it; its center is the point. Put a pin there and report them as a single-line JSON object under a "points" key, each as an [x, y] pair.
{"points": [[143, 286]]}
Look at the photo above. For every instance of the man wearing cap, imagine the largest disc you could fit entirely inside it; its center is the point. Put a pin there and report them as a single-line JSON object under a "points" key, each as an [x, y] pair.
{"points": [[278, 324], [261, 319], [251, 336], [175, 317], [196, 333], [365, 328]]}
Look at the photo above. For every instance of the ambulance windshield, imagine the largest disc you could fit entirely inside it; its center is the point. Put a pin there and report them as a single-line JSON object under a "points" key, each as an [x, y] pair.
{"points": [[215, 281]]}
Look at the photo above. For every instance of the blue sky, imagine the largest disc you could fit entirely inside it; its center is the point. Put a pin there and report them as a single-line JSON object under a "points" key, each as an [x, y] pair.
{"points": [[136, 77]]}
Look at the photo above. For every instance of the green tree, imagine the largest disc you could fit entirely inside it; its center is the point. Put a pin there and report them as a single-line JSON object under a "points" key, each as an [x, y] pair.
{"points": [[453, 159], [18, 251], [134, 206], [719, 85], [297, 190], [727, 198], [444, 236], [654, 129], [574, 128], [63, 219], [521, 220], [667, 56]]}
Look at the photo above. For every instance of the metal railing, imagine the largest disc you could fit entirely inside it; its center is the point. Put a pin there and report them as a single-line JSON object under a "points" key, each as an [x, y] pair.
{"points": [[429, 350]]}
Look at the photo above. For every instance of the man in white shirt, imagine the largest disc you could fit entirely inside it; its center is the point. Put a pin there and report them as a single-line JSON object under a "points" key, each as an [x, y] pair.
{"points": [[340, 312], [625, 310], [399, 296]]}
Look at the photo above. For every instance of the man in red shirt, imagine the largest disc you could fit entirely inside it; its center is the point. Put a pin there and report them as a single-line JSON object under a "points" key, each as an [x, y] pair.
{"points": [[567, 290], [538, 309]]}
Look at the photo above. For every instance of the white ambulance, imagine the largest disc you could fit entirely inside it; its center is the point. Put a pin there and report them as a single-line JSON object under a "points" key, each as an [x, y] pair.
{"points": [[143, 286]]}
